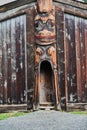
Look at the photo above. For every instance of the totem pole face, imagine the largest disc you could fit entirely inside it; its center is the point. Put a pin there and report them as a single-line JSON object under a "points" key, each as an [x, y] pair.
{"points": [[45, 23]]}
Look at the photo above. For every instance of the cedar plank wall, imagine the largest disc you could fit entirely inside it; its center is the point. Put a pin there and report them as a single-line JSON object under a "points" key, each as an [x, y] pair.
{"points": [[70, 59], [81, 55], [71, 24], [60, 53], [19, 53], [76, 58], [12, 60]]}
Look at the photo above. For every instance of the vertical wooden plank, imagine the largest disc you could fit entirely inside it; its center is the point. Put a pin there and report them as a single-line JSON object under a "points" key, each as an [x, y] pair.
{"points": [[66, 47], [1, 75], [22, 49], [36, 98], [72, 60], [85, 33], [4, 61], [25, 53], [30, 26], [18, 61], [78, 58], [9, 69], [70, 55], [60, 53], [21, 58], [13, 62], [83, 65], [30, 54]]}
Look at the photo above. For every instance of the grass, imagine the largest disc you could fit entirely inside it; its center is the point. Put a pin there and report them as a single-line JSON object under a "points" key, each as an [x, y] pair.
{"points": [[4, 116], [79, 112], [11, 114]]}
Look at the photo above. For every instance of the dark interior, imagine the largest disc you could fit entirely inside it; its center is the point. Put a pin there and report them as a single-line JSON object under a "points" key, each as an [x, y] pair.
{"points": [[46, 82]]}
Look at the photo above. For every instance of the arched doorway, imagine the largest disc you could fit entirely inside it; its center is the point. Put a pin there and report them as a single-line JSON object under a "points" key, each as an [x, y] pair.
{"points": [[46, 83]]}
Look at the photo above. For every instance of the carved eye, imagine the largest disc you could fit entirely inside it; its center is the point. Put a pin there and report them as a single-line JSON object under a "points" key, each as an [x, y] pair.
{"points": [[38, 25], [50, 25]]}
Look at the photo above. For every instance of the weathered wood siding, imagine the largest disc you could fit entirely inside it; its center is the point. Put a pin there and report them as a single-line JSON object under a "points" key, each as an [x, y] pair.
{"points": [[60, 53], [76, 58], [12, 60], [30, 56]]}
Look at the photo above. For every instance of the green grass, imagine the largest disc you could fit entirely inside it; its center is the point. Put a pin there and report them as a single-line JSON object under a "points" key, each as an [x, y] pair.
{"points": [[79, 112], [16, 114], [11, 114]]}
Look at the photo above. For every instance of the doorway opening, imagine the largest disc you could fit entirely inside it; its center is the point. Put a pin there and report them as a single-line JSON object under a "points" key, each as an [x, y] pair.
{"points": [[46, 83]]}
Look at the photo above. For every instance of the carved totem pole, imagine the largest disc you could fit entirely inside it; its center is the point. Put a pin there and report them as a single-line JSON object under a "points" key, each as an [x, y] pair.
{"points": [[45, 46]]}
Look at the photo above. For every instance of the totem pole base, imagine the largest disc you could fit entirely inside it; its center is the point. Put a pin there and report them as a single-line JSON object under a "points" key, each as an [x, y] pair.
{"points": [[35, 107], [58, 107]]}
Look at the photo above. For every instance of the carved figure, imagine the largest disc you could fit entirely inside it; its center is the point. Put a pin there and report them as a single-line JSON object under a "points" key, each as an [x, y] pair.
{"points": [[45, 23], [39, 51], [51, 50], [45, 48], [52, 53], [44, 5]]}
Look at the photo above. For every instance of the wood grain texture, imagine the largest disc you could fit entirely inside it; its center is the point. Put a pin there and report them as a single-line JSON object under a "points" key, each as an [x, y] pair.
{"points": [[12, 60]]}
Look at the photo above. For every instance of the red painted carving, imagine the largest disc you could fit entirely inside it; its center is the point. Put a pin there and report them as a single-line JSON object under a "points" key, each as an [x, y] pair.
{"points": [[45, 23]]}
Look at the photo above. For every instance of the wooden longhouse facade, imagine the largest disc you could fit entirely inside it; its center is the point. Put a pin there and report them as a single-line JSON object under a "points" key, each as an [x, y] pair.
{"points": [[43, 54]]}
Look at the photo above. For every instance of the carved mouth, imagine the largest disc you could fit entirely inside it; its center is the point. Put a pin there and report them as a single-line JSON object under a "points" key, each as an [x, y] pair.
{"points": [[45, 37]]}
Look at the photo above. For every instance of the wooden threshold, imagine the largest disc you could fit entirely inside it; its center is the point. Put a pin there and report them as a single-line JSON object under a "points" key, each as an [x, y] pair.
{"points": [[13, 107], [46, 106], [76, 106]]}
